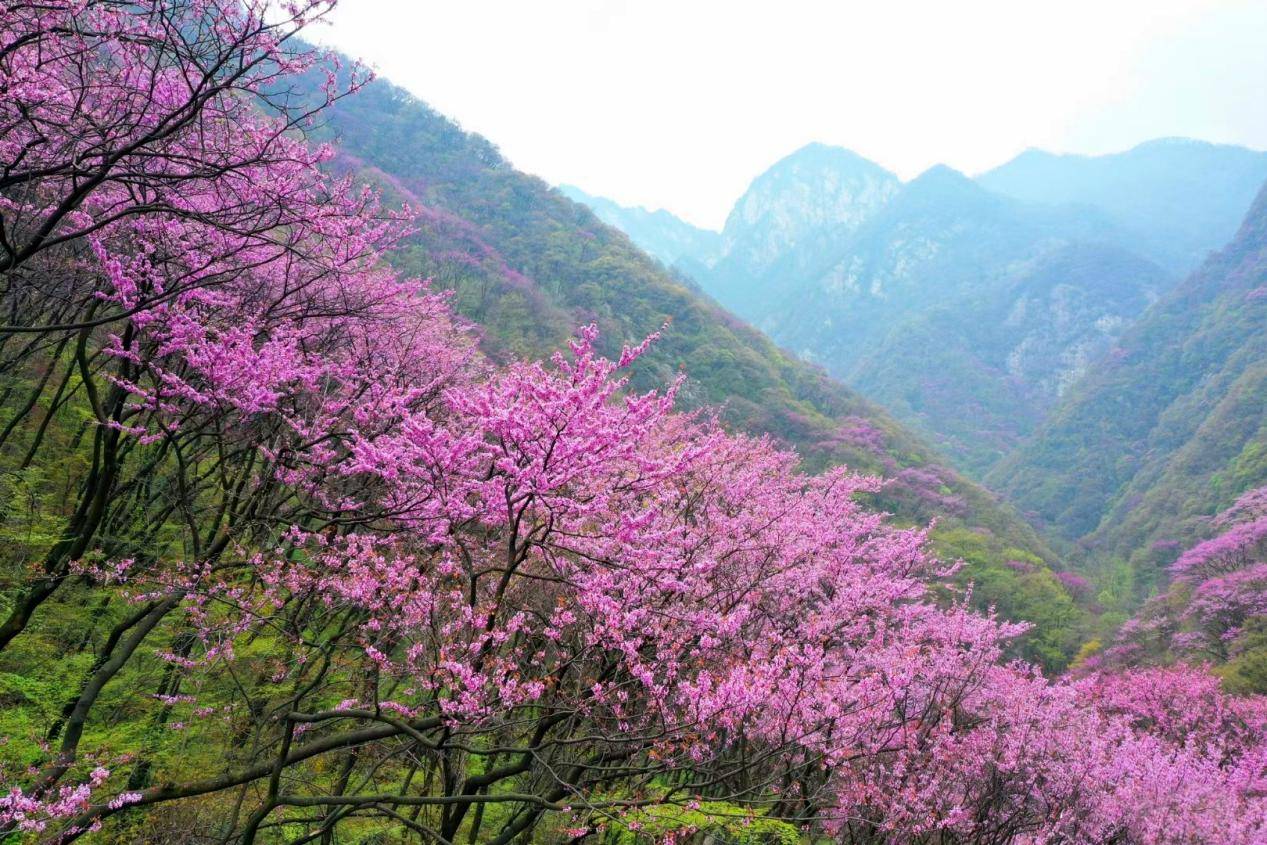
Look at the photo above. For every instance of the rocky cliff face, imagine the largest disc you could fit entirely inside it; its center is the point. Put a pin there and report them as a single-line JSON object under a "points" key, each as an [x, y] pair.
{"points": [[815, 189], [1067, 310], [978, 373], [940, 239]]}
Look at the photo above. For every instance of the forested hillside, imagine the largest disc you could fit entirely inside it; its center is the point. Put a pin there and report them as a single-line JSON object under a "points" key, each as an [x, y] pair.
{"points": [[977, 374], [942, 237], [1213, 607], [1168, 429], [528, 266], [944, 268]]}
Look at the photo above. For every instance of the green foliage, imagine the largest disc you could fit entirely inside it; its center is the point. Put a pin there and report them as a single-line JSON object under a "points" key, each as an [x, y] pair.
{"points": [[1246, 672], [714, 821], [978, 373], [1017, 585]]}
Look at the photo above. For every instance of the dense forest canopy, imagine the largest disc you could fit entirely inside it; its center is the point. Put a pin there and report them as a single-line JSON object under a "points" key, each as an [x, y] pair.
{"points": [[289, 559]]}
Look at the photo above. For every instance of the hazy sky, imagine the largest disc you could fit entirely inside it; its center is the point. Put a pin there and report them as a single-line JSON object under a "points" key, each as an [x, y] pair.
{"points": [[680, 103]]}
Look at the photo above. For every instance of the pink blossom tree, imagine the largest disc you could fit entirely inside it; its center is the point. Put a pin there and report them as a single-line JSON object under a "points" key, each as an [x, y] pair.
{"points": [[1217, 596]]}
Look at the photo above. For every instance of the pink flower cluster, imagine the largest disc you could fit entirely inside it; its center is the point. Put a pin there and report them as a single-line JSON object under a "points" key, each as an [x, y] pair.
{"points": [[1218, 589]]}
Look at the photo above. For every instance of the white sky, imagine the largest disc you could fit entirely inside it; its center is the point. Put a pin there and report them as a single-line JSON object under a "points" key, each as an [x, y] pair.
{"points": [[681, 103]]}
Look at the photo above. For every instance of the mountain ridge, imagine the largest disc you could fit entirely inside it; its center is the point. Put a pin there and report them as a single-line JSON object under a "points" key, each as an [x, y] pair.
{"points": [[837, 289], [817, 187], [1180, 197]]}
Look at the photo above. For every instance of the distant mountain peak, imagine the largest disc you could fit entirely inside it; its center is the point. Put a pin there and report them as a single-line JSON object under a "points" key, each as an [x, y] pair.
{"points": [[944, 176], [816, 187], [1179, 198], [577, 194], [947, 189], [1169, 143], [817, 159], [827, 154], [574, 193], [658, 232], [1173, 141]]}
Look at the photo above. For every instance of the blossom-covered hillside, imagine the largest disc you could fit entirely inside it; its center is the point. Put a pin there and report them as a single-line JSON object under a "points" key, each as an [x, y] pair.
{"points": [[527, 265], [287, 559]]}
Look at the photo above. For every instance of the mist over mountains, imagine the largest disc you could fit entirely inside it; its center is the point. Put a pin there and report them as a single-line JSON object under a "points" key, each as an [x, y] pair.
{"points": [[969, 307], [1175, 199], [659, 233]]}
